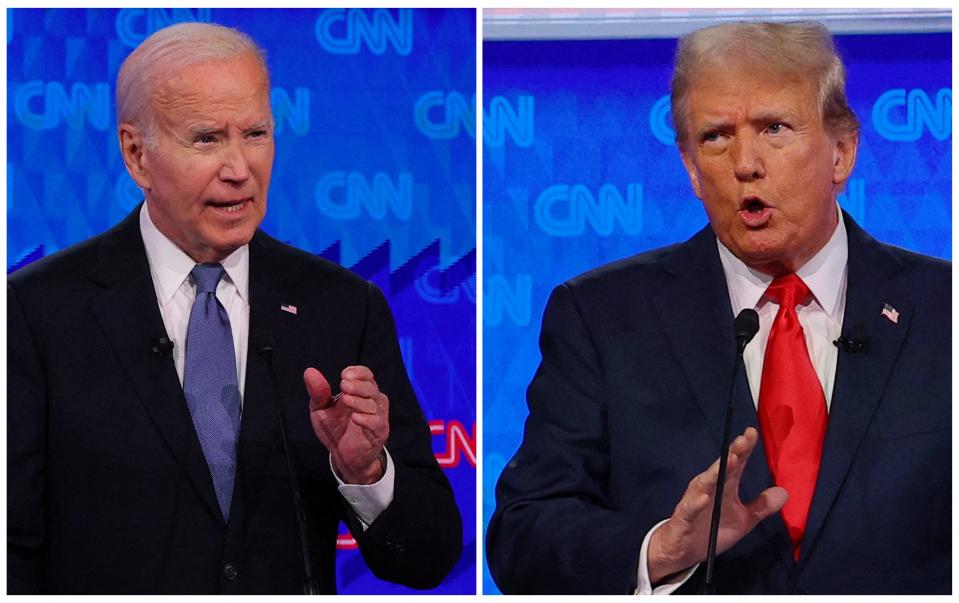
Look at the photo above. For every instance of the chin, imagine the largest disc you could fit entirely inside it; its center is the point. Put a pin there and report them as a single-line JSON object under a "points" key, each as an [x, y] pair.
{"points": [[758, 253], [225, 244]]}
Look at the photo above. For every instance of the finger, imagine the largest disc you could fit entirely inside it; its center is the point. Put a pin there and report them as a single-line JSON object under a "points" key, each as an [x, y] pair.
{"points": [[769, 502], [358, 372], [747, 443], [377, 426], [691, 507], [739, 452], [705, 482], [362, 389], [359, 404], [318, 389]]}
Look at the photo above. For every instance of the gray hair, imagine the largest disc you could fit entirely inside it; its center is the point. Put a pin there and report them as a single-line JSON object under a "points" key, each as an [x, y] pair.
{"points": [[167, 51], [803, 49]]}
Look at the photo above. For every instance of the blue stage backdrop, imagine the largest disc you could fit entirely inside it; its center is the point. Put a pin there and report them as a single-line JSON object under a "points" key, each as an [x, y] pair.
{"points": [[365, 175], [580, 169]]}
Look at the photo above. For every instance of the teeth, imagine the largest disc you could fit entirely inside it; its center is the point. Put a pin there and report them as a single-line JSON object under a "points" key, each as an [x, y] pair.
{"points": [[233, 208]]}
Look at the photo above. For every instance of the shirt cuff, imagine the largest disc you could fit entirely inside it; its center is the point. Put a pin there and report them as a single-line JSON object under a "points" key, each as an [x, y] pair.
{"points": [[368, 501], [642, 573]]}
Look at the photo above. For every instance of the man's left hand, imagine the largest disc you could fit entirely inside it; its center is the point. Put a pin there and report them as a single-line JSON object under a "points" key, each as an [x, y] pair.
{"points": [[354, 426]]}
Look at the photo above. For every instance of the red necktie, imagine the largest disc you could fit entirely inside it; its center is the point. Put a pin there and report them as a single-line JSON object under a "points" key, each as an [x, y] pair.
{"points": [[792, 408]]}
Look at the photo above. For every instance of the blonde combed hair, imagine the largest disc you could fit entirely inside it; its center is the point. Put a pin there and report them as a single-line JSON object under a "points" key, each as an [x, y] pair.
{"points": [[804, 50]]}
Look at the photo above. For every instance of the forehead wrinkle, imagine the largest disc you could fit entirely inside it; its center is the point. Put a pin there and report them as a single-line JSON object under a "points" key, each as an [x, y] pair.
{"points": [[187, 93], [204, 113]]}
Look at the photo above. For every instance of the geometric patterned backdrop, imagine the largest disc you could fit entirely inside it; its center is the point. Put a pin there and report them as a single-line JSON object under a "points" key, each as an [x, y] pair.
{"points": [[372, 171], [580, 169]]}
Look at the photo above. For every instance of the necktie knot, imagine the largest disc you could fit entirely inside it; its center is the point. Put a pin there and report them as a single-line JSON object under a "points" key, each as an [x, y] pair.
{"points": [[787, 290], [207, 277]]}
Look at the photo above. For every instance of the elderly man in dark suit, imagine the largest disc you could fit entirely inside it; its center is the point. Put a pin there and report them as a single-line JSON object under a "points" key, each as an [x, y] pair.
{"points": [[144, 449], [840, 481]]}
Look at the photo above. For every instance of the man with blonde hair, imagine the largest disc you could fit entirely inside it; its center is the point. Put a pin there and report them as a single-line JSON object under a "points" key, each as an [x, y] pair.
{"points": [[169, 378], [840, 479]]}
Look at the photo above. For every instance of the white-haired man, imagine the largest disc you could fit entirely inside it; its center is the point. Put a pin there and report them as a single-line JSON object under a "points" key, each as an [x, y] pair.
{"points": [[848, 397], [144, 449]]}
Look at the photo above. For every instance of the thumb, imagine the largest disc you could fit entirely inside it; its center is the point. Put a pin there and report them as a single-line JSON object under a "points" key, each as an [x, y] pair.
{"points": [[770, 501], [317, 387]]}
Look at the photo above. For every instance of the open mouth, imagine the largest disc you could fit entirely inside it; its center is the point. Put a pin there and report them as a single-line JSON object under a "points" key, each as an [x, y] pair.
{"points": [[753, 205], [754, 212], [232, 206]]}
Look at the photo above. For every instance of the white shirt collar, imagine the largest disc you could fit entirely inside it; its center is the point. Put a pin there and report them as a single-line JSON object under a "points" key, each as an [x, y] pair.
{"points": [[823, 274], [170, 265]]}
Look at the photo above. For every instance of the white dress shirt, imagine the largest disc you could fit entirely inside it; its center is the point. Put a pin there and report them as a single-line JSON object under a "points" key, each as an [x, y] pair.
{"points": [[170, 269], [821, 318]]}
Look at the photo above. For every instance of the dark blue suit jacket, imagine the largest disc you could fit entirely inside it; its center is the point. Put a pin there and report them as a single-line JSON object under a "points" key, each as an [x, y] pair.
{"points": [[108, 489], [627, 406]]}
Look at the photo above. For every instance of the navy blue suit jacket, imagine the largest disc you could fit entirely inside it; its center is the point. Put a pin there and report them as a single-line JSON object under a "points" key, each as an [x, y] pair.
{"points": [[627, 406], [108, 489]]}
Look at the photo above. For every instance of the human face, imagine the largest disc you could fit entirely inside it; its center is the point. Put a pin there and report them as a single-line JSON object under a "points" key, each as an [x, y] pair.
{"points": [[764, 166], [207, 172]]}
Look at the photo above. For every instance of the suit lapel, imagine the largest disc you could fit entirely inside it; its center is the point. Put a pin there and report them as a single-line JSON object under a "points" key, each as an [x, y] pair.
{"points": [[860, 377], [129, 316], [268, 291], [698, 319]]}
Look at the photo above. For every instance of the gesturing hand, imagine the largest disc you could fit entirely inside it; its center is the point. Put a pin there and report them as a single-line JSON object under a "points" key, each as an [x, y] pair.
{"points": [[682, 541], [353, 426]]}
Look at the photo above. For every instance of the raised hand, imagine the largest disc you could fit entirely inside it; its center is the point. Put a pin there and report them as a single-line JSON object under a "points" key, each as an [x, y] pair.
{"points": [[354, 425], [682, 541]]}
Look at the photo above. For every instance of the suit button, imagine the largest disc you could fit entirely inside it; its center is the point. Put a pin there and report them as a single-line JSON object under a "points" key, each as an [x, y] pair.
{"points": [[229, 571]]}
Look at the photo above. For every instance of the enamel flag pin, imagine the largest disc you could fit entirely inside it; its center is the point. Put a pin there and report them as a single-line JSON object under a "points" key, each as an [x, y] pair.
{"points": [[891, 313], [289, 308]]}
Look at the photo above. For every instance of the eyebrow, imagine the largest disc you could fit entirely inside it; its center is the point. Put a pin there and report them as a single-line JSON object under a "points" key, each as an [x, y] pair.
{"points": [[772, 115], [760, 117], [711, 126], [203, 129], [199, 129], [260, 125]]}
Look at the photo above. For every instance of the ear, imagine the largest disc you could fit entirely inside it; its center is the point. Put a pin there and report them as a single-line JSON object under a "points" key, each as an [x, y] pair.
{"points": [[690, 164], [131, 148], [844, 156]]}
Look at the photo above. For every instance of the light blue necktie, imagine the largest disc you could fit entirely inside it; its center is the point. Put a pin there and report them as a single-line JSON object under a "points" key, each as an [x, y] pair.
{"points": [[210, 383]]}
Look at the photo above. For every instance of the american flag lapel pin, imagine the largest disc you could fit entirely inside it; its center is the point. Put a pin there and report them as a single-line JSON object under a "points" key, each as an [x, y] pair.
{"points": [[289, 308], [890, 313]]}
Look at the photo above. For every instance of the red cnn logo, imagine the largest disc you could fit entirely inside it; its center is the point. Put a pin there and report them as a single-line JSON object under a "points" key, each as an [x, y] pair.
{"points": [[458, 444]]}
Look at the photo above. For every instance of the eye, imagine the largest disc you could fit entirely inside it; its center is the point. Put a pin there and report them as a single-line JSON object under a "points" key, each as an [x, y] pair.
{"points": [[258, 134], [777, 128], [205, 139], [711, 136]]}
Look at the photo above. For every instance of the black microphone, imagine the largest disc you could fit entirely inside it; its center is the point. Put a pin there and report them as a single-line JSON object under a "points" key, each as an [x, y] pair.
{"points": [[263, 344], [855, 342], [746, 325], [163, 346]]}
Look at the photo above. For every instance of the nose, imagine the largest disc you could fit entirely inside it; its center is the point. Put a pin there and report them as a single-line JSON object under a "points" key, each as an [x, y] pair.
{"points": [[235, 167], [747, 159]]}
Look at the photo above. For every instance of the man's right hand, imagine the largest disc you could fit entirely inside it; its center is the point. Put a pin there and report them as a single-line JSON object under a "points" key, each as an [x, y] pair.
{"points": [[682, 541]]}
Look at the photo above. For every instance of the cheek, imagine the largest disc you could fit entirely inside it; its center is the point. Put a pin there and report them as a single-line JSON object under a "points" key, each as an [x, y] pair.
{"points": [[263, 163], [184, 178]]}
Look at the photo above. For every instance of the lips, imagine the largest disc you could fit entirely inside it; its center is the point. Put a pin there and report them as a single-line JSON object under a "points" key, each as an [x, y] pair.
{"points": [[754, 211], [230, 206]]}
